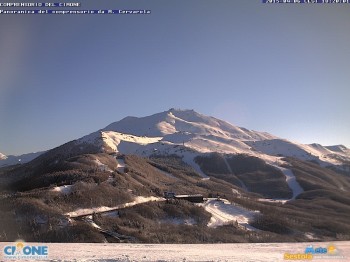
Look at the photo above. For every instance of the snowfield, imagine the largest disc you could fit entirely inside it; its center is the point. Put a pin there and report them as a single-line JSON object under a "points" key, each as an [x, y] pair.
{"points": [[66, 189], [101, 166], [188, 158], [314, 152], [115, 139], [223, 213], [260, 252]]}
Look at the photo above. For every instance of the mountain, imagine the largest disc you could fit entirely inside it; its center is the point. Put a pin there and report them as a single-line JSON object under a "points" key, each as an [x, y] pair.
{"points": [[14, 160], [109, 186], [177, 120], [2, 156], [188, 133], [168, 131], [197, 140], [339, 148]]}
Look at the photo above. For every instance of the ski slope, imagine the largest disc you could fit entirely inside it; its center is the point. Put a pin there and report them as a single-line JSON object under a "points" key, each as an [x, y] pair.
{"points": [[223, 213], [292, 182]]}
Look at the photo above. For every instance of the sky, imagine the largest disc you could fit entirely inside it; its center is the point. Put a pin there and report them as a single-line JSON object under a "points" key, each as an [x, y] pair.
{"points": [[279, 68]]}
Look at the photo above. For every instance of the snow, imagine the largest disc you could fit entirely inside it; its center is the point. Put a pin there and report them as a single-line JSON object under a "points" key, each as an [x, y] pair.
{"points": [[273, 200], [186, 133], [242, 252], [166, 128], [315, 152], [206, 144], [66, 189], [292, 182], [236, 192], [310, 236], [102, 209], [89, 220], [114, 139], [338, 148], [223, 212], [121, 165], [180, 122], [101, 166], [163, 132], [179, 137], [290, 178], [143, 126], [188, 158], [2, 156], [184, 196]]}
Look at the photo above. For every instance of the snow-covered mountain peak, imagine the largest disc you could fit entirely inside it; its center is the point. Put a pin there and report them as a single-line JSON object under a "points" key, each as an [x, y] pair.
{"points": [[2, 156], [200, 133], [179, 121], [338, 148]]}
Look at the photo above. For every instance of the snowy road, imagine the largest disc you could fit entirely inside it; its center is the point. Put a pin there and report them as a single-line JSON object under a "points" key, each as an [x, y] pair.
{"points": [[103, 209], [260, 252]]}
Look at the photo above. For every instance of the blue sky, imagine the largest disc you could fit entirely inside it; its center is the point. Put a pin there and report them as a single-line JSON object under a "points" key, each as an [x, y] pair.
{"points": [[281, 68]]}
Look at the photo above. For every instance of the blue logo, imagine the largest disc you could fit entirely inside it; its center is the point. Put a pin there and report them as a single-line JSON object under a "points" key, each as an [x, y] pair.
{"points": [[21, 250], [330, 250], [312, 250]]}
